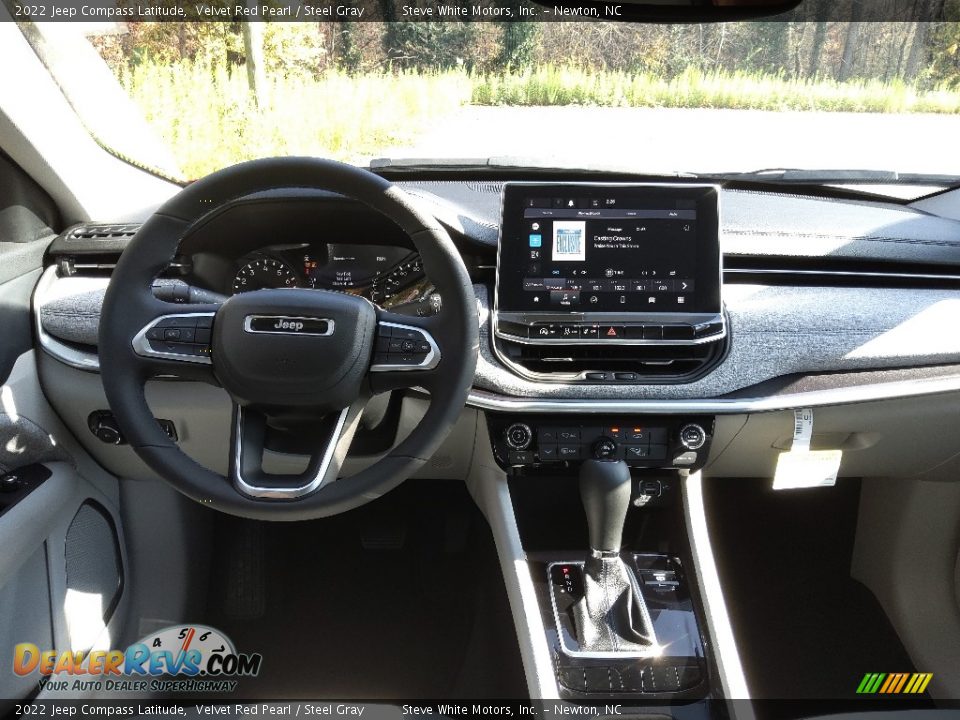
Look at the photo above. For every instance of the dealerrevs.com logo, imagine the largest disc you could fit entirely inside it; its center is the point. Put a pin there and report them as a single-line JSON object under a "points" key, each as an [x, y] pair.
{"points": [[185, 658]]}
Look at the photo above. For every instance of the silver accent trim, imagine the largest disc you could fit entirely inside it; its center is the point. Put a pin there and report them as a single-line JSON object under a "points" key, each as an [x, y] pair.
{"points": [[655, 649], [248, 325], [79, 359], [599, 342], [141, 346], [842, 273], [696, 445], [484, 400], [428, 363], [706, 576], [584, 317], [283, 493]]}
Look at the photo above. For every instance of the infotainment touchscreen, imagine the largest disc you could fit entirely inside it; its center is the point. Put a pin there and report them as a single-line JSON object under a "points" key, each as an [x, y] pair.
{"points": [[609, 249]]}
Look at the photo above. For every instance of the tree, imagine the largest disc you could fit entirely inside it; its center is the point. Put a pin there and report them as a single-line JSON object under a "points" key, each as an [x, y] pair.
{"points": [[849, 48], [253, 52], [518, 43], [816, 49]]}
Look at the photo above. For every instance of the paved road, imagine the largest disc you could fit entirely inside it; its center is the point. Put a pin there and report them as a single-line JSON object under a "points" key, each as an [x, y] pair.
{"points": [[667, 139]]}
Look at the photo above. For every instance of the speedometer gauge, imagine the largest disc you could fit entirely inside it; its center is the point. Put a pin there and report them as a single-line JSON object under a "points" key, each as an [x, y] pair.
{"points": [[264, 272]]}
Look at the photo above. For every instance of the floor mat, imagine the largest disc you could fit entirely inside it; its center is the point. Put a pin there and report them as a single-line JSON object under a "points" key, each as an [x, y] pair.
{"points": [[423, 614], [805, 628]]}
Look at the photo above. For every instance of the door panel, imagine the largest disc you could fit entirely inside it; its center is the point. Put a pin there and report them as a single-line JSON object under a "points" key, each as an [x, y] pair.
{"points": [[63, 562]]}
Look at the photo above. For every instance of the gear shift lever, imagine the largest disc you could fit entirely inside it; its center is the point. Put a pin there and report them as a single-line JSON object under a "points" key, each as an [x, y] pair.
{"points": [[611, 616], [605, 491]]}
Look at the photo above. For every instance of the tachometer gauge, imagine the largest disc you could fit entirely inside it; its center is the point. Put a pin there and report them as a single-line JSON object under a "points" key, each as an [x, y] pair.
{"points": [[264, 272]]}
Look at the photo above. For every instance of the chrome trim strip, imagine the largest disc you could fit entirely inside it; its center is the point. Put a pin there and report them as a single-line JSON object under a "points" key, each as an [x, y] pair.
{"points": [[725, 653], [599, 342], [484, 400], [55, 348], [283, 493], [248, 325], [840, 273], [655, 649], [141, 346], [428, 363]]}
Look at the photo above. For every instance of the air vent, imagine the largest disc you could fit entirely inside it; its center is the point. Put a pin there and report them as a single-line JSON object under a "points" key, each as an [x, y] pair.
{"points": [[608, 363], [102, 232], [837, 272]]}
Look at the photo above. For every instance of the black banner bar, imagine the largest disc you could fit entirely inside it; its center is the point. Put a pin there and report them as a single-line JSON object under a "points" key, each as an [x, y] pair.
{"points": [[452, 11]]}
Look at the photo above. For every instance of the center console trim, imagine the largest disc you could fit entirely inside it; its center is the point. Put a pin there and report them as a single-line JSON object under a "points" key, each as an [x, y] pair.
{"points": [[654, 648], [725, 652]]}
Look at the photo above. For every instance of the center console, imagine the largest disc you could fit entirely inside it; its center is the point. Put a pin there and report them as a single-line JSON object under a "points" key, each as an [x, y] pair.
{"points": [[614, 285], [609, 283]]}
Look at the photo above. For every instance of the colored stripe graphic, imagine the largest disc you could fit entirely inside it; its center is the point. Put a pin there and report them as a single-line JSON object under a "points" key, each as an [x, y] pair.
{"points": [[894, 683]]}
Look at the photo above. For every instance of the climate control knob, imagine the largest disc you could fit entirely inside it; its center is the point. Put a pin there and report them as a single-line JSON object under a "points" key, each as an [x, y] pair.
{"points": [[692, 436], [605, 449], [518, 436]]}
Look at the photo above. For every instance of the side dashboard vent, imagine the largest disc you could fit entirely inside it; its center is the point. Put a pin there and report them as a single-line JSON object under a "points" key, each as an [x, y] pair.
{"points": [[102, 232]]}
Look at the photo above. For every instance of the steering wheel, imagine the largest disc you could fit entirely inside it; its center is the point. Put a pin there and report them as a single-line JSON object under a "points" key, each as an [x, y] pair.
{"points": [[314, 357]]}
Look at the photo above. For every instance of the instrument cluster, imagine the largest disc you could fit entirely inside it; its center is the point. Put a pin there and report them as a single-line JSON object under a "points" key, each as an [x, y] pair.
{"points": [[389, 276]]}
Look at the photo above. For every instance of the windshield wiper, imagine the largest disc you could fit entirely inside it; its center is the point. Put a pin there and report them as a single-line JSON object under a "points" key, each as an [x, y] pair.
{"points": [[801, 176]]}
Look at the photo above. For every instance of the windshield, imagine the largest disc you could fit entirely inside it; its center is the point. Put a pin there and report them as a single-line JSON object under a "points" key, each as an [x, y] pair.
{"points": [[188, 98]]}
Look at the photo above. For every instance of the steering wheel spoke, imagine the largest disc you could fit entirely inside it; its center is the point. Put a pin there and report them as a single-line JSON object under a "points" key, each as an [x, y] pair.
{"points": [[407, 352], [177, 343], [331, 437]]}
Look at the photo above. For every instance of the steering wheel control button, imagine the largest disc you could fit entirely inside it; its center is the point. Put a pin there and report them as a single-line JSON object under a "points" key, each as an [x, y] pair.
{"points": [[402, 347], [692, 436], [183, 337], [519, 436]]}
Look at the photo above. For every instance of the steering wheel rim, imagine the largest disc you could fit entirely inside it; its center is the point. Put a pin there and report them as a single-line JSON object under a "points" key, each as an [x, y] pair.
{"points": [[129, 308]]}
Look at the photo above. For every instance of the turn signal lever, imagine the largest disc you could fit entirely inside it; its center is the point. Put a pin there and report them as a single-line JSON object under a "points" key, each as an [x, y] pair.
{"points": [[605, 491]]}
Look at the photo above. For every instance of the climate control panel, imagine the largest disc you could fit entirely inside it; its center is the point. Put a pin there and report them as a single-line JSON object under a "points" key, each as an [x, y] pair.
{"points": [[548, 441]]}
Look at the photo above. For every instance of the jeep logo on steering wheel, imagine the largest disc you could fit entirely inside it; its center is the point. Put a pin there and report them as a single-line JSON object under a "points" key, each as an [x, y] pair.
{"points": [[284, 325]]}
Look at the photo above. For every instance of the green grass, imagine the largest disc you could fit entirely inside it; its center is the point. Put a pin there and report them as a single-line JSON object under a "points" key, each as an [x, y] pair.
{"points": [[209, 120], [696, 89], [206, 115]]}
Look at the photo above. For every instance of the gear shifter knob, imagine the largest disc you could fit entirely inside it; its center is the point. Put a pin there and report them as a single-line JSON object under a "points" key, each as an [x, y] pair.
{"points": [[605, 491]]}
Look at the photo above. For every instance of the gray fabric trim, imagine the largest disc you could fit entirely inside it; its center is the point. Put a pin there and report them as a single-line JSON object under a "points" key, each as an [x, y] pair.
{"points": [[777, 331], [23, 442]]}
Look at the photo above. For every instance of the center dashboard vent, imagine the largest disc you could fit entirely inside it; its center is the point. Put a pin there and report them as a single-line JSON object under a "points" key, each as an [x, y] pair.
{"points": [[610, 361]]}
